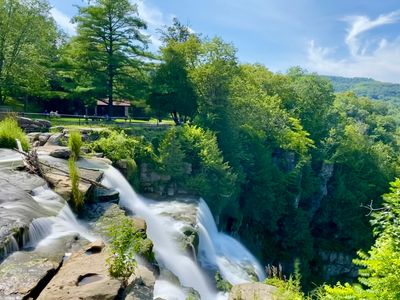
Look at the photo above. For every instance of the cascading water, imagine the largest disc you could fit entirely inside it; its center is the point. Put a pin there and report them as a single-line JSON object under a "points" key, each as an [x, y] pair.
{"points": [[217, 250], [221, 251], [62, 221], [169, 255]]}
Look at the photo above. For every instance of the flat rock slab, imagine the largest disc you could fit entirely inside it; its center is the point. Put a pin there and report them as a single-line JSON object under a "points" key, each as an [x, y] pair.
{"points": [[83, 276], [251, 291], [10, 159], [21, 272], [25, 273], [59, 176]]}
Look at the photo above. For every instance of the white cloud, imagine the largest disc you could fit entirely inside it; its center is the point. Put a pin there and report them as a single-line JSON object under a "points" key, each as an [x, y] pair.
{"points": [[360, 24], [155, 20], [63, 21], [375, 58]]}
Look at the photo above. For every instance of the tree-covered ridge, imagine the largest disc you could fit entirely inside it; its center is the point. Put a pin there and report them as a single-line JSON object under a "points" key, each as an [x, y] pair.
{"points": [[367, 87]]}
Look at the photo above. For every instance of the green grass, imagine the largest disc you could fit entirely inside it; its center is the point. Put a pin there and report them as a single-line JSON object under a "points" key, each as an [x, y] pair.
{"points": [[9, 132], [75, 143]]}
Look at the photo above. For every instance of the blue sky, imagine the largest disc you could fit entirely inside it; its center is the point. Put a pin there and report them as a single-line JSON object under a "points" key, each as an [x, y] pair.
{"points": [[342, 37]]}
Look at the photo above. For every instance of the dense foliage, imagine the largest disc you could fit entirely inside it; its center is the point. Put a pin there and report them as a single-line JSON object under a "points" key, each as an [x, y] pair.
{"points": [[28, 38]]}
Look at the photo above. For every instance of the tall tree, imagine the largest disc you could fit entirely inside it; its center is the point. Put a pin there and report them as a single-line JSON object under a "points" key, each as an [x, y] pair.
{"points": [[28, 36], [172, 89], [109, 48]]}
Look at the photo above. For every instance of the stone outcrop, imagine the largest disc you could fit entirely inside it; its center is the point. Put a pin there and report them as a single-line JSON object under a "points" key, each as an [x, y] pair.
{"points": [[157, 184], [60, 180], [84, 276], [337, 265], [30, 125], [251, 291], [24, 274], [140, 285]]}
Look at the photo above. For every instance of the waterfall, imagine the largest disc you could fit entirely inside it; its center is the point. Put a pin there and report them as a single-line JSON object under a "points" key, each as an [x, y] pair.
{"points": [[62, 221], [220, 251], [216, 249], [168, 253]]}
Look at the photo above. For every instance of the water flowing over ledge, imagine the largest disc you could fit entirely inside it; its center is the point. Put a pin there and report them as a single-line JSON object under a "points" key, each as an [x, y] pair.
{"points": [[217, 250]]}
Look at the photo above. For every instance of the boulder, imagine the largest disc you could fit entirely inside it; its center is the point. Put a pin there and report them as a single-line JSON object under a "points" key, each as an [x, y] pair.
{"points": [[62, 152], [84, 276], [43, 138], [140, 284], [33, 136], [140, 224], [30, 125], [55, 139], [251, 291], [43, 123]]}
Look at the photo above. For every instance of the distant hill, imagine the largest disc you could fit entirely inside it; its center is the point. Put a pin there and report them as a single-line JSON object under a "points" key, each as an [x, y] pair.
{"points": [[367, 87]]}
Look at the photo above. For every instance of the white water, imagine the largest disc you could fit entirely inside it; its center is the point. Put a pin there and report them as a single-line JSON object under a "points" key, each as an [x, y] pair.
{"points": [[216, 249], [43, 231], [221, 251]]}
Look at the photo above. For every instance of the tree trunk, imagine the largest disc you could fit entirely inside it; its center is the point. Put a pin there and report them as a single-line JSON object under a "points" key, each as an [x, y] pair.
{"points": [[174, 116]]}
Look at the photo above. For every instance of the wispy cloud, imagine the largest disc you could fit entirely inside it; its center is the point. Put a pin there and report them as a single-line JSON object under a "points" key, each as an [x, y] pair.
{"points": [[63, 21], [361, 24], [376, 58], [155, 20]]}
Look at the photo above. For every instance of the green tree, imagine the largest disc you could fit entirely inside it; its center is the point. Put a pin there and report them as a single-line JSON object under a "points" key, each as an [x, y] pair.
{"points": [[172, 90], [109, 49], [28, 36]]}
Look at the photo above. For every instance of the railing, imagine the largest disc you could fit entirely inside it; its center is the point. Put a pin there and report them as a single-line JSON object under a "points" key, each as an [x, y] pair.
{"points": [[86, 119]]}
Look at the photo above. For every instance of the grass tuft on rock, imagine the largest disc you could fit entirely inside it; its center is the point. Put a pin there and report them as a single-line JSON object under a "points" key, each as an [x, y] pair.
{"points": [[9, 132]]}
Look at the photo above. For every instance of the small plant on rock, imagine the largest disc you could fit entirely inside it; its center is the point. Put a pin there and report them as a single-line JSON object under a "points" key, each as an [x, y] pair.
{"points": [[9, 132], [75, 144], [126, 242]]}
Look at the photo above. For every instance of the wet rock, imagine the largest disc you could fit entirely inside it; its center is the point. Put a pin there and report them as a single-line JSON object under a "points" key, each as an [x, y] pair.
{"points": [[83, 276], [251, 291], [17, 208], [106, 195], [141, 284]]}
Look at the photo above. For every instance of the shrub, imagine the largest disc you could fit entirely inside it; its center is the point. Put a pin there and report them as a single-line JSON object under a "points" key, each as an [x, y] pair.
{"points": [[75, 144], [126, 242], [118, 145], [9, 131]]}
